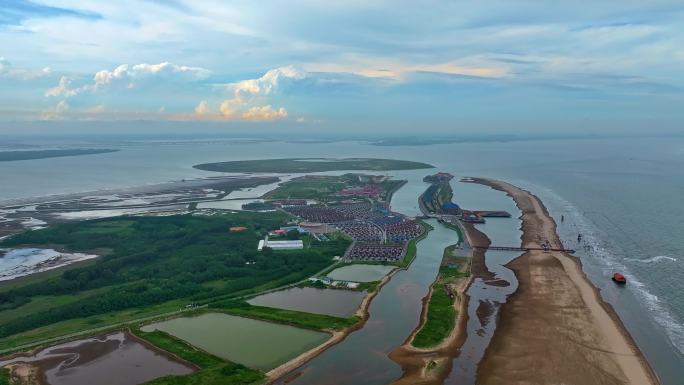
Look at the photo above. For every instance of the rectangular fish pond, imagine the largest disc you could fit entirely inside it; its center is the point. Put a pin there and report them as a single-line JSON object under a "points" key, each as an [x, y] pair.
{"points": [[339, 303], [361, 273], [253, 343]]}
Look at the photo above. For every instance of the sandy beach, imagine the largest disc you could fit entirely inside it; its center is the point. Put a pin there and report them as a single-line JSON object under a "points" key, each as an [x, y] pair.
{"points": [[556, 329]]}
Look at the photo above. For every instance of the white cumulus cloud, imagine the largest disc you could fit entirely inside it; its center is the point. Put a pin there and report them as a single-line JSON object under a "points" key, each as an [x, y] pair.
{"points": [[250, 96], [202, 108], [62, 89], [128, 75], [267, 84], [261, 113]]}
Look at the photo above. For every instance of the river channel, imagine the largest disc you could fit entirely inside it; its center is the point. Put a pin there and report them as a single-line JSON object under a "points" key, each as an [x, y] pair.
{"points": [[363, 357]]}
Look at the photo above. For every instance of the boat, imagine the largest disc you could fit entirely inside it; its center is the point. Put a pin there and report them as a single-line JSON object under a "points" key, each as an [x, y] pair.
{"points": [[619, 279]]}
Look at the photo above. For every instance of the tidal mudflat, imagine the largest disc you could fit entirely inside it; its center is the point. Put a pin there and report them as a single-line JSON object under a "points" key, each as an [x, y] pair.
{"points": [[360, 273], [114, 359], [340, 303], [253, 343]]}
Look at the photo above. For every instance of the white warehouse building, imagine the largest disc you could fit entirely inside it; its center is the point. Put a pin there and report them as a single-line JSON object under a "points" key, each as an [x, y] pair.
{"points": [[280, 245]]}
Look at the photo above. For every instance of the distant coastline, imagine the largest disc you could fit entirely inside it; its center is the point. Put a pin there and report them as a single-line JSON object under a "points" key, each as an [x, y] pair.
{"points": [[12, 156], [308, 165]]}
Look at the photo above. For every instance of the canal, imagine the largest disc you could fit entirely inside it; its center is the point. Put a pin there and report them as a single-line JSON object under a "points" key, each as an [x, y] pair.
{"points": [[363, 357]]}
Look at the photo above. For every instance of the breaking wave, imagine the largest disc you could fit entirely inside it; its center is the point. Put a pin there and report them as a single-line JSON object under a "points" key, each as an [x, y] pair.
{"points": [[602, 256], [655, 259]]}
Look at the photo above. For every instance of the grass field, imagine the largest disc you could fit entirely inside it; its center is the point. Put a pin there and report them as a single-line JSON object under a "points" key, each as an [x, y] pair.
{"points": [[306, 165], [157, 265], [317, 187], [212, 370], [289, 317], [4, 376], [441, 314], [324, 188], [441, 319]]}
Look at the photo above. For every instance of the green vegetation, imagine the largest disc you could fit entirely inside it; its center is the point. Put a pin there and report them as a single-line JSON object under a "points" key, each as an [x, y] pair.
{"points": [[4, 376], [435, 196], [325, 187], [368, 286], [258, 206], [441, 319], [457, 229], [228, 374], [213, 370], [157, 265], [305, 165], [179, 348], [8, 156], [441, 314], [290, 317], [411, 248], [312, 187]]}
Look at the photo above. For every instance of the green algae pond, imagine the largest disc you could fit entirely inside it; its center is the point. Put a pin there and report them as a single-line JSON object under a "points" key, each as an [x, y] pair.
{"points": [[361, 273], [253, 343]]}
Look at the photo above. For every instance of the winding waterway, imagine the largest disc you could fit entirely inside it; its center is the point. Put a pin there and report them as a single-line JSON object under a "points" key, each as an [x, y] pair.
{"points": [[114, 359], [623, 195], [394, 313], [362, 357]]}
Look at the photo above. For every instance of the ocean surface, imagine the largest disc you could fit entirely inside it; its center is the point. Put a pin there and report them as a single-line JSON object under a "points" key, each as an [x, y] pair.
{"points": [[623, 195]]}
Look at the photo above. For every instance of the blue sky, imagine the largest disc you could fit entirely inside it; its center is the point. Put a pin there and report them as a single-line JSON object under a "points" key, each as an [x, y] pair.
{"points": [[556, 66]]}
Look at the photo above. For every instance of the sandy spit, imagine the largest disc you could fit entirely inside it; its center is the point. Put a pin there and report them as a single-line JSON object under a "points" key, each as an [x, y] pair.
{"points": [[431, 366], [556, 329]]}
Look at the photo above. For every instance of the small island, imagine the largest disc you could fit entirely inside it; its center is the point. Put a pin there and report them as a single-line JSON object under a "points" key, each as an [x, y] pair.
{"points": [[306, 165], [9, 156]]}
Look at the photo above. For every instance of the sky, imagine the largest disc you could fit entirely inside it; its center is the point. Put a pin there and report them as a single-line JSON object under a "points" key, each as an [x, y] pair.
{"points": [[555, 66]]}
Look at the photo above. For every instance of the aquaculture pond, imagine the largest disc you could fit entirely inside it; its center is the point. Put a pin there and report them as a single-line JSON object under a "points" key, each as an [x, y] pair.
{"points": [[336, 302], [114, 359], [360, 273], [394, 313], [253, 343]]}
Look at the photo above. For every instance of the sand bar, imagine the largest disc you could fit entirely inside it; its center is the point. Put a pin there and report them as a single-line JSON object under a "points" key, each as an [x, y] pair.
{"points": [[556, 329]]}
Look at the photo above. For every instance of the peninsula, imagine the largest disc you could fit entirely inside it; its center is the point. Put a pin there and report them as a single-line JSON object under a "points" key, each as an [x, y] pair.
{"points": [[8, 156], [306, 165]]}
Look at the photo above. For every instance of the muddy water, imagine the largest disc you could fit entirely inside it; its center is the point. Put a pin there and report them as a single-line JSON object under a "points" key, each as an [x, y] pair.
{"points": [[114, 359], [486, 296], [362, 357], [483, 307], [340, 303], [257, 344], [360, 273]]}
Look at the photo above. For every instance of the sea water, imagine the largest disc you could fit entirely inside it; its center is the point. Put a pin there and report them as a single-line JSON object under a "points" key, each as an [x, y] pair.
{"points": [[622, 195]]}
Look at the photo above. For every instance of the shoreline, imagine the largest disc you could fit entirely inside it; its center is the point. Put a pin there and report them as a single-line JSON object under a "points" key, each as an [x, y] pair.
{"points": [[285, 369], [556, 322], [416, 362]]}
